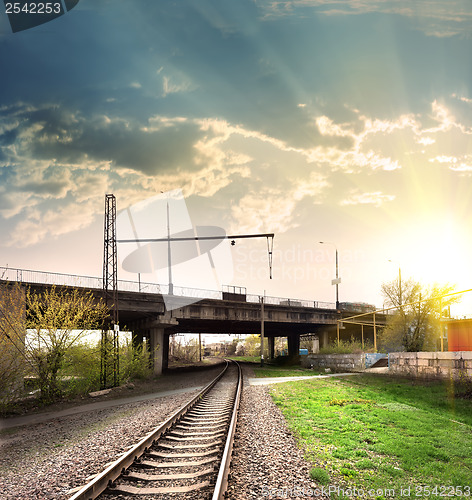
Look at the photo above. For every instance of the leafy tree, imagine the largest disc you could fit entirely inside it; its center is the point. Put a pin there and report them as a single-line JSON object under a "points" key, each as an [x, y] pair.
{"points": [[55, 320], [415, 326], [252, 345]]}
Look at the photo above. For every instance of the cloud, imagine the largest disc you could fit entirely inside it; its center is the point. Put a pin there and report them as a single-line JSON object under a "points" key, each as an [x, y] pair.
{"points": [[433, 17], [51, 223], [462, 168], [275, 209], [462, 164], [171, 87], [59, 158], [462, 98], [56, 134], [425, 141], [376, 198]]}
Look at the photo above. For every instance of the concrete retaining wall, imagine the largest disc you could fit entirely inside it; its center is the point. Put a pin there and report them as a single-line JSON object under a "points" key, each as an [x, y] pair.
{"points": [[431, 364], [337, 362]]}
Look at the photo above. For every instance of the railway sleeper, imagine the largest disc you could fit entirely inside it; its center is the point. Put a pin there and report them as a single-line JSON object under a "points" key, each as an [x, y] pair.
{"points": [[155, 454], [193, 426], [201, 421], [168, 477], [221, 403], [208, 414], [191, 434], [189, 446], [133, 490], [170, 465], [208, 404], [195, 437], [209, 420]]}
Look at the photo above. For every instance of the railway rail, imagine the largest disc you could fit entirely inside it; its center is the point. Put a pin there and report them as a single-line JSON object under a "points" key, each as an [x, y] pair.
{"points": [[188, 456]]}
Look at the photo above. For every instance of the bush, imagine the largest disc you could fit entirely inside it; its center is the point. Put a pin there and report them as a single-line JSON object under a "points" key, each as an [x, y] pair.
{"points": [[462, 388], [347, 347], [81, 371], [320, 475], [135, 363]]}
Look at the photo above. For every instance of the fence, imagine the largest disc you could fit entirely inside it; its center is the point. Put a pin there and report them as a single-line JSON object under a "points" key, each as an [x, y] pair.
{"points": [[49, 278]]}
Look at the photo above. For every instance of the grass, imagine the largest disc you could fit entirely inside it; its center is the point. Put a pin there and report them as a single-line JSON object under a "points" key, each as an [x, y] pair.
{"points": [[275, 370], [370, 432], [283, 371], [246, 359]]}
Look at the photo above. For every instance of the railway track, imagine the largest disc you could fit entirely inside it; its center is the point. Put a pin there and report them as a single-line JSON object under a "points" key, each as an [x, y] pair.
{"points": [[188, 456]]}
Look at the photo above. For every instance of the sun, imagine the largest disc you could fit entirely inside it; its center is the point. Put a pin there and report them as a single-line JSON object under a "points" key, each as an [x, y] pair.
{"points": [[435, 251]]}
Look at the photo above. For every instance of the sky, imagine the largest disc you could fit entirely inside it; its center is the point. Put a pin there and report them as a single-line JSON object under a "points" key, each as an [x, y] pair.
{"points": [[348, 122]]}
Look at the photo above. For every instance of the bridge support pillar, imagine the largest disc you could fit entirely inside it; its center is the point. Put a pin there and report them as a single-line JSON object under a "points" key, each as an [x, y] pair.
{"points": [[316, 345], [159, 344], [293, 342], [324, 339], [271, 347]]}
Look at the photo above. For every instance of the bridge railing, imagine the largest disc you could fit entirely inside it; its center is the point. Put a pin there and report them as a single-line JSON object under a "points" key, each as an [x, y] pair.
{"points": [[50, 278], [283, 301]]}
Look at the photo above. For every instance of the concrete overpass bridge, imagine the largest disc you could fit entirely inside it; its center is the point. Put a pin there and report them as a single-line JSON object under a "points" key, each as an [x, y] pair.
{"points": [[142, 311]]}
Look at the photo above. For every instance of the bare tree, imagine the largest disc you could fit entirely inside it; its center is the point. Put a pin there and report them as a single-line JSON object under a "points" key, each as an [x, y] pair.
{"points": [[416, 324], [12, 341]]}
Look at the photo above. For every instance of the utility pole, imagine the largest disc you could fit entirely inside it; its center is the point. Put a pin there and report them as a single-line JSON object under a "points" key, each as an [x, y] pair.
{"points": [[262, 329], [169, 258]]}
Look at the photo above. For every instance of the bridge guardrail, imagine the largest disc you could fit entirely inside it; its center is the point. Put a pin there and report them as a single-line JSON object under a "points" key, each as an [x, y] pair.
{"points": [[59, 279]]}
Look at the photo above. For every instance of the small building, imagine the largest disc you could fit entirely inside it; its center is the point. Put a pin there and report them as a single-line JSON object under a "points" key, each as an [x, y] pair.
{"points": [[459, 334]]}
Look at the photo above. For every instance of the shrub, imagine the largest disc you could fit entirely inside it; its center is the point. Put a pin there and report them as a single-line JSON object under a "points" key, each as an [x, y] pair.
{"points": [[81, 371], [135, 362], [347, 347], [319, 475]]}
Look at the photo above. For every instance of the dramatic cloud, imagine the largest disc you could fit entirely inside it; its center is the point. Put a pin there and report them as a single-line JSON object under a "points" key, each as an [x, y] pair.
{"points": [[55, 153], [434, 17]]}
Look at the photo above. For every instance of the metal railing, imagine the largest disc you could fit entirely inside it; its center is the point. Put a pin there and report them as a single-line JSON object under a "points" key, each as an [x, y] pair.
{"points": [[50, 278]]}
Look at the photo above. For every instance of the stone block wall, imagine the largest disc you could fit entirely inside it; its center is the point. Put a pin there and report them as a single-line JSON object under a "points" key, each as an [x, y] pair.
{"points": [[431, 364]]}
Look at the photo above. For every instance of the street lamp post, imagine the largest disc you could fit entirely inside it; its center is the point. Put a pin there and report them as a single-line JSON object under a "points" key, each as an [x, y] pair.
{"points": [[399, 282], [338, 279]]}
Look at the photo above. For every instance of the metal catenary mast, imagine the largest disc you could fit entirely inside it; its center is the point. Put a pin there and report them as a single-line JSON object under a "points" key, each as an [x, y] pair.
{"points": [[109, 370]]}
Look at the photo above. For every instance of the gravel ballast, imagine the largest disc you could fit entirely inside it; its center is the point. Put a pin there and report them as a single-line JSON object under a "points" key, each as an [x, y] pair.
{"points": [[50, 459], [266, 460]]}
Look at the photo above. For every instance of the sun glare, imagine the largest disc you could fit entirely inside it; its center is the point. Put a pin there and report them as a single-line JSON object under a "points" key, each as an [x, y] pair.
{"points": [[435, 252]]}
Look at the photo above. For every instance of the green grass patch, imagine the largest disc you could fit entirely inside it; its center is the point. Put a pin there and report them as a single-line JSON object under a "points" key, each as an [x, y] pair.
{"points": [[369, 432], [283, 371], [246, 359]]}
